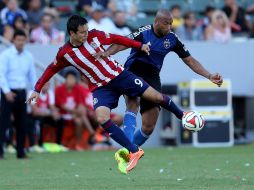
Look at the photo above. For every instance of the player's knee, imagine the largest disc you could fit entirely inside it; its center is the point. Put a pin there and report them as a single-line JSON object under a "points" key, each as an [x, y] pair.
{"points": [[132, 104], [102, 119], [148, 129], [158, 98]]}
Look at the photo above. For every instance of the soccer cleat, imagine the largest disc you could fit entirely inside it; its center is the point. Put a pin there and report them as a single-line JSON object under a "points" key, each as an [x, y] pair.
{"points": [[134, 158], [124, 154], [121, 156]]}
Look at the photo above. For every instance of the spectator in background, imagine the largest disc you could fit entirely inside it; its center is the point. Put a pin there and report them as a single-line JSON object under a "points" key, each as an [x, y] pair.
{"points": [[189, 30], [19, 24], [46, 33], [16, 69], [120, 24], [219, 30], [237, 16], [176, 12], [8, 33], [10, 12], [47, 114], [206, 21], [87, 6], [129, 7], [69, 101], [3, 4], [34, 13], [99, 21]]}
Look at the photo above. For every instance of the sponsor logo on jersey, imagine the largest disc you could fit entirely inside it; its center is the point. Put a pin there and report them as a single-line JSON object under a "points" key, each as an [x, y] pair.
{"points": [[95, 101], [166, 43], [94, 45]]}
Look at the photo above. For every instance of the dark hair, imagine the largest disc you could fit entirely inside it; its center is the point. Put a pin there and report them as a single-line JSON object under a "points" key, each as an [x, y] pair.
{"points": [[74, 22], [188, 14], [19, 33], [71, 72], [176, 6], [209, 8]]}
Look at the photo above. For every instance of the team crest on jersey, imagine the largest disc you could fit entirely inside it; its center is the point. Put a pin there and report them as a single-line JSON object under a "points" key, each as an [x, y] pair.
{"points": [[95, 101], [94, 45], [166, 43]]}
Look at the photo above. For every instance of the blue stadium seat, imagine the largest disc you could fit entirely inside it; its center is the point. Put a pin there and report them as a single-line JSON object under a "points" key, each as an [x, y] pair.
{"points": [[199, 5]]}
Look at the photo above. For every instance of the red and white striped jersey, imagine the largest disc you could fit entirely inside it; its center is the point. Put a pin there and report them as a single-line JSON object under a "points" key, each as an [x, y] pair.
{"points": [[98, 72]]}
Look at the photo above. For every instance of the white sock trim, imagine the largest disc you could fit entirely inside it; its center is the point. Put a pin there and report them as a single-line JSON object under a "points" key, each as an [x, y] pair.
{"points": [[131, 113]]}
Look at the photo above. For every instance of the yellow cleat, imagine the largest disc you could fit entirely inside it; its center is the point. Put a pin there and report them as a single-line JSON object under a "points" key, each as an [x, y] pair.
{"points": [[122, 158]]}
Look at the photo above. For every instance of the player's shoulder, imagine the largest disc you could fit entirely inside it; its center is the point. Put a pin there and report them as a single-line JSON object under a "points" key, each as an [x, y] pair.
{"points": [[97, 34], [145, 27], [140, 30], [63, 49], [173, 35]]}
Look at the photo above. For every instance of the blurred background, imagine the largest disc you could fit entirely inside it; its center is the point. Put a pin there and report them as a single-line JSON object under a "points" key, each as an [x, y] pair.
{"points": [[227, 110]]}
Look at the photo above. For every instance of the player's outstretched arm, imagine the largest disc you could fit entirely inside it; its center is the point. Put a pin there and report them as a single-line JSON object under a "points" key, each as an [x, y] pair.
{"points": [[114, 48], [216, 78], [52, 69]]}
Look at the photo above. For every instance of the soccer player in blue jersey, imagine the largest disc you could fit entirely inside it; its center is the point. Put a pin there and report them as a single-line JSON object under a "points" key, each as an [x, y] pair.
{"points": [[161, 41]]}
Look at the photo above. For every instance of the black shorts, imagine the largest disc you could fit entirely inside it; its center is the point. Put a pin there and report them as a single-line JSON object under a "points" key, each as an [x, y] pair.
{"points": [[151, 75]]}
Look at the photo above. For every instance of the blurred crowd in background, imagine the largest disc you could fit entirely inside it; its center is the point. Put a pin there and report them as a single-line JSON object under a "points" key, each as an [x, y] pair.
{"points": [[68, 108], [44, 20]]}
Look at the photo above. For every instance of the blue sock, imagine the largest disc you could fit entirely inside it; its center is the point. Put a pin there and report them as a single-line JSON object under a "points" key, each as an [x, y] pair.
{"points": [[118, 135], [169, 105], [129, 123], [140, 137]]}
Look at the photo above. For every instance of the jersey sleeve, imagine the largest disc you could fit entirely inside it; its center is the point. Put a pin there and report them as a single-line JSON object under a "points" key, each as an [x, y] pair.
{"points": [[108, 38], [137, 35], [180, 49], [57, 65]]}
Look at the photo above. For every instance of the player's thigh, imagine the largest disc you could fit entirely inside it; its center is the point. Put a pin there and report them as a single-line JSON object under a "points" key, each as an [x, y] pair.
{"points": [[149, 119], [130, 84], [132, 103], [152, 95], [106, 97]]}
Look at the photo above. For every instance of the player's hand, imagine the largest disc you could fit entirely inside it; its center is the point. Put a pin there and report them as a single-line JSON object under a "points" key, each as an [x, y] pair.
{"points": [[33, 97], [146, 48], [100, 55], [10, 96], [216, 78]]}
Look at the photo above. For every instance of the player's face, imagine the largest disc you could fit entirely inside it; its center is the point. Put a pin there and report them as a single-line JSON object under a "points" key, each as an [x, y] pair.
{"points": [[81, 35], [163, 25]]}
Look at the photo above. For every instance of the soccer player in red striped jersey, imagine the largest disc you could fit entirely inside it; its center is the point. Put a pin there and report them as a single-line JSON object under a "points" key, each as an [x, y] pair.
{"points": [[107, 79]]}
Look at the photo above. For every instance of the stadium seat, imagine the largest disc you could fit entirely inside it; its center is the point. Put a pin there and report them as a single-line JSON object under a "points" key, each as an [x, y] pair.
{"points": [[149, 6], [199, 5], [140, 22]]}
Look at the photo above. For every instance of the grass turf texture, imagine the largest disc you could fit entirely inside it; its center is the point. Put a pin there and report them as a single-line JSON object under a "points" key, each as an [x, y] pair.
{"points": [[164, 168]]}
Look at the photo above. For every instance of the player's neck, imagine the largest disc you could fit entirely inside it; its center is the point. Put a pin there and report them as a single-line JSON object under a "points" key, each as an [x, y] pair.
{"points": [[75, 43]]}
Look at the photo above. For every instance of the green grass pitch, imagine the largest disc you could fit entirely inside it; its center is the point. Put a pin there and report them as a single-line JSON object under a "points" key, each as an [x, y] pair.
{"points": [[159, 169]]}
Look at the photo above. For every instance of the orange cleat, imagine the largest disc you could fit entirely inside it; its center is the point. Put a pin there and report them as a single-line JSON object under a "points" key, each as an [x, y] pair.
{"points": [[134, 158]]}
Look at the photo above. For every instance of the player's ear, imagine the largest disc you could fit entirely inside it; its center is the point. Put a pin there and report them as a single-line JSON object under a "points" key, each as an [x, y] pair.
{"points": [[72, 33]]}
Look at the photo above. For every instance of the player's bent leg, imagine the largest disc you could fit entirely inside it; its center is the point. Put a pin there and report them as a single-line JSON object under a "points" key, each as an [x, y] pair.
{"points": [[149, 119], [103, 118], [163, 100], [129, 122]]}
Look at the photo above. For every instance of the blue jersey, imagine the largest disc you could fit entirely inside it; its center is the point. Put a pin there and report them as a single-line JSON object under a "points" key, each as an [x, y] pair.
{"points": [[159, 47]]}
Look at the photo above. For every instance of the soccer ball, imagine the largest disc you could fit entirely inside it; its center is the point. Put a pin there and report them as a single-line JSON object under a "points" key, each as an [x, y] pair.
{"points": [[193, 121]]}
